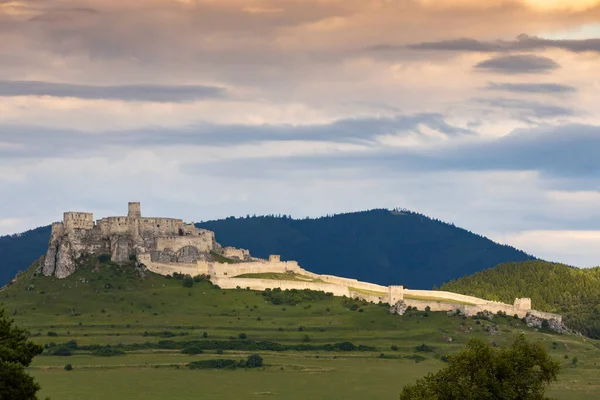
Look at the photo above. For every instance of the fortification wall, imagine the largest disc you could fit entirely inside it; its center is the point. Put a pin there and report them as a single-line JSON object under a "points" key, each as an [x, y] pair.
{"points": [[230, 270], [545, 315], [176, 243], [368, 297], [353, 283], [233, 253], [437, 294], [262, 284], [78, 220], [169, 269]]}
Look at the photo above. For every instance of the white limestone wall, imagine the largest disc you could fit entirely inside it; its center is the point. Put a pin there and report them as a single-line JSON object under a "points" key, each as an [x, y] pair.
{"points": [[220, 270], [368, 297], [262, 284], [545, 315], [444, 295], [353, 283]]}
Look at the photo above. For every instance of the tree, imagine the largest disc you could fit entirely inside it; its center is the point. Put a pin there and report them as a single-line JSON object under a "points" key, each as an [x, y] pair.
{"points": [[16, 353], [519, 372]]}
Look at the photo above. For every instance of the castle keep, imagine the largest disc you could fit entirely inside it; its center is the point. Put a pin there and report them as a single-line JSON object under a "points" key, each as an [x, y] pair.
{"points": [[166, 246]]}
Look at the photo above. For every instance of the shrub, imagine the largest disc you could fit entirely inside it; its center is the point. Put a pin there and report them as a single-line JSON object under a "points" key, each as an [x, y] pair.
{"points": [[53, 334], [213, 364], [254, 361], [424, 348], [243, 336], [188, 281], [68, 367], [62, 351], [428, 309], [394, 347], [192, 350], [108, 352], [204, 335]]}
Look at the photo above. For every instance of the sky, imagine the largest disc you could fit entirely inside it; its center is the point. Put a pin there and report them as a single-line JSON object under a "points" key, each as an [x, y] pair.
{"points": [[483, 113]]}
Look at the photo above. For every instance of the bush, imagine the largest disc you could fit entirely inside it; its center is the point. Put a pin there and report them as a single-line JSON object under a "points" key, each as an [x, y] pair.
{"points": [[53, 334], [243, 336], [188, 281], [428, 309], [62, 351], [213, 364], [108, 352], [68, 367], [424, 348], [394, 347], [204, 335], [254, 361], [192, 350]]}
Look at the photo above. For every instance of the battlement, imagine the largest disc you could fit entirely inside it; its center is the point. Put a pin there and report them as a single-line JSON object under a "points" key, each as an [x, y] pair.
{"points": [[274, 258], [523, 304]]}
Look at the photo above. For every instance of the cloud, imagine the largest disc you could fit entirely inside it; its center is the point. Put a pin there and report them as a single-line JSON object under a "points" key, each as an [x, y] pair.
{"points": [[541, 88], [518, 64], [524, 110], [522, 43], [143, 92], [35, 142]]}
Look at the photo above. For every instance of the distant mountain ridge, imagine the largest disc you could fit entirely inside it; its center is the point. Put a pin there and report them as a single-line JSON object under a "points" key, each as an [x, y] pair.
{"points": [[379, 246]]}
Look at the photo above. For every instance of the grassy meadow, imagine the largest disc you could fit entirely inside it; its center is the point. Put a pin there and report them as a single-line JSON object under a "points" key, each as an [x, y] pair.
{"points": [[153, 318]]}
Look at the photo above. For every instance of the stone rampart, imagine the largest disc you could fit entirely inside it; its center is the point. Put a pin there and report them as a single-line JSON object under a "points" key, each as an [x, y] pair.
{"points": [[78, 220], [368, 297], [176, 243], [353, 283], [231, 270], [545, 315], [437, 294], [262, 284], [235, 254]]}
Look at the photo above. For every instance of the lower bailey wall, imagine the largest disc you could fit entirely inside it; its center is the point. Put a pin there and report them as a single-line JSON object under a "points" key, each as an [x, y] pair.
{"points": [[353, 283], [224, 275], [469, 310], [437, 294], [262, 284]]}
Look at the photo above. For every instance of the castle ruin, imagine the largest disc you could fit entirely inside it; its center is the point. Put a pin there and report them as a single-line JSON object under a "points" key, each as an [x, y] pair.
{"points": [[166, 246]]}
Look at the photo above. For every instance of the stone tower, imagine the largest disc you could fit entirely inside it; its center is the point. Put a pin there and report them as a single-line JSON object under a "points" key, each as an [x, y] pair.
{"points": [[135, 210]]}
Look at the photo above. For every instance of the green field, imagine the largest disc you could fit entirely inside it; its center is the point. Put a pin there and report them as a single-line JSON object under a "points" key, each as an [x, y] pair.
{"points": [[108, 305]]}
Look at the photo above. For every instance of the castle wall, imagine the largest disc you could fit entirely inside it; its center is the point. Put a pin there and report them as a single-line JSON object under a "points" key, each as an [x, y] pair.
{"points": [[175, 243], [77, 220], [437, 294], [368, 297], [353, 283], [233, 253], [545, 315], [262, 284], [228, 270]]}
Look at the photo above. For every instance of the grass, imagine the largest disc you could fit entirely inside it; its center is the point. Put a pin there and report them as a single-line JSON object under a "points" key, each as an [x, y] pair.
{"points": [[222, 259], [104, 304]]}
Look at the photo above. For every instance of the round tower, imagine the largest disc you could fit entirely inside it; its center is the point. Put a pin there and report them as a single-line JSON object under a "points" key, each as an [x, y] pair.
{"points": [[135, 210]]}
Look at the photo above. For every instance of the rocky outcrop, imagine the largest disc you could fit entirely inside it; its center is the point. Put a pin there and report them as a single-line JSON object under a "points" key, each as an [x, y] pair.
{"points": [[399, 308], [554, 325]]}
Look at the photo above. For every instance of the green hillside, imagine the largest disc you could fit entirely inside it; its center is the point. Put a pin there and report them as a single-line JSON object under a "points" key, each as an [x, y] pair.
{"points": [[376, 246], [573, 292], [314, 345]]}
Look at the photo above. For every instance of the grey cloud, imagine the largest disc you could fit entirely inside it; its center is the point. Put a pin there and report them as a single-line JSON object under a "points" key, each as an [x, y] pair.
{"points": [[35, 142], [564, 154], [150, 93], [525, 110], [518, 64], [542, 88], [522, 43]]}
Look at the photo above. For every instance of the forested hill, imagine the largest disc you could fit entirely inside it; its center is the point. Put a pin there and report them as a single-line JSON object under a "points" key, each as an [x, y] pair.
{"points": [[377, 246], [18, 252], [572, 292]]}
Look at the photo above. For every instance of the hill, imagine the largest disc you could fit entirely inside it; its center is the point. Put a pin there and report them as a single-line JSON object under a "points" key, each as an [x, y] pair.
{"points": [[572, 292], [19, 251], [138, 331], [376, 246]]}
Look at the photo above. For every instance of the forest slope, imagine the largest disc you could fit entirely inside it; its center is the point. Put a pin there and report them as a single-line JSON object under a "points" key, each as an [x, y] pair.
{"points": [[573, 292]]}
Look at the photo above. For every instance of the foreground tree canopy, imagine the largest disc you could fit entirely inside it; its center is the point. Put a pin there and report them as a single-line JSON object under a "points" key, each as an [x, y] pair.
{"points": [[16, 353], [480, 372]]}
